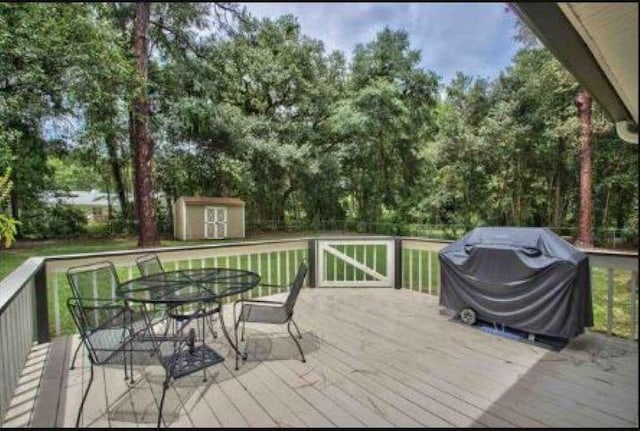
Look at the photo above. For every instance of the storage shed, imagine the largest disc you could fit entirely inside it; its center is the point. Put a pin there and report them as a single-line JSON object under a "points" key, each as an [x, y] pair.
{"points": [[208, 218]]}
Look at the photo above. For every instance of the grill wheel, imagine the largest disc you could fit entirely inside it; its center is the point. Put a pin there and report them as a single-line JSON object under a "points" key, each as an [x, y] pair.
{"points": [[468, 316]]}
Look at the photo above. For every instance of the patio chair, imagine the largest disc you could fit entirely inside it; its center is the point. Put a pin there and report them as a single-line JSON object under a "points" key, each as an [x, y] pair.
{"points": [[149, 265], [275, 312], [94, 286], [104, 331]]}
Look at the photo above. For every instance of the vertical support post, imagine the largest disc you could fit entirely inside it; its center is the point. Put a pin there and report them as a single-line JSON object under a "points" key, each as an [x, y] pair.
{"points": [[260, 266], [42, 310], [287, 267], [609, 301], [398, 263], [56, 304], [420, 258], [439, 277], [430, 275], [311, 261], [633, 289]]}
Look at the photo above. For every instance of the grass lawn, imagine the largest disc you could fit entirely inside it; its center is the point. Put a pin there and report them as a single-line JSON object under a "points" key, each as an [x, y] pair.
{"points": [[621, 301], [12, 258]]}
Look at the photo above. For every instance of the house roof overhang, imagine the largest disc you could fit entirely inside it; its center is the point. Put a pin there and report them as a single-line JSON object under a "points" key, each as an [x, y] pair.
{"points": [[598, 44]]}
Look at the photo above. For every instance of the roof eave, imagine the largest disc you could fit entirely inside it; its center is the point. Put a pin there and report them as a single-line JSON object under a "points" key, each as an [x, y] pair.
{"points": [[557, 33]]}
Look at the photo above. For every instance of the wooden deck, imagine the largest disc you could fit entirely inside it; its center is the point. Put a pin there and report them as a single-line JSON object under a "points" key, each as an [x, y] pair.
{"points": [[375, 357]]}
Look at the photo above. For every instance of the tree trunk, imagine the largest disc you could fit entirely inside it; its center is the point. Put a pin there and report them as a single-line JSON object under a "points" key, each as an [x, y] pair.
{"points": [[116, 170], [109, 203], [283, 204], [585, 215], [558, 206], [141, 140]]}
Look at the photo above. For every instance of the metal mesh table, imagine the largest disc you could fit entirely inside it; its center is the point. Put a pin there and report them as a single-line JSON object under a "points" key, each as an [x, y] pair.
{"points": [[188, 286]]}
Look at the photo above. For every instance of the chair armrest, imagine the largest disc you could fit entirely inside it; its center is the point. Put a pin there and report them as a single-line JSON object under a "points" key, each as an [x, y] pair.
{"points": [[107, 323], [264, 301], [112, 301]]}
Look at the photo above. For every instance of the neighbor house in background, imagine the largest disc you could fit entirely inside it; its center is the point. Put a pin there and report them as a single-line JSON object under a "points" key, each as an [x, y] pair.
{"points": [[208, 218], [94, 204]]}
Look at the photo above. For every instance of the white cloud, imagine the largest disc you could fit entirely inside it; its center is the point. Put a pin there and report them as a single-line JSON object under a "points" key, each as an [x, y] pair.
{"points": [[476, 38]]}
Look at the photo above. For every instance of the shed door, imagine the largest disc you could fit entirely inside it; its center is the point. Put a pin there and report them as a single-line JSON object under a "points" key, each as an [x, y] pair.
{"points": [[215, 222]]}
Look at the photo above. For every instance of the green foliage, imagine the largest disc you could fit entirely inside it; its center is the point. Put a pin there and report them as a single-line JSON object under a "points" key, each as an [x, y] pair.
{"points": [[255, 109], [70, 174], [8, 225], [58, 221], [507, 153], [382, 124]]}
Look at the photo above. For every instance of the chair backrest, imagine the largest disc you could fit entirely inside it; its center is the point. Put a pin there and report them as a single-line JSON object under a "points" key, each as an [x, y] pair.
{"points": [[149, 264], [101, 327], [294, 291], [96, 281]]}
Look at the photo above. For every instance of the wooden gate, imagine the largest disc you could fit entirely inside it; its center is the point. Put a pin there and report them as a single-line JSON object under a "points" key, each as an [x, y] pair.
{"points": [[355, 263]]}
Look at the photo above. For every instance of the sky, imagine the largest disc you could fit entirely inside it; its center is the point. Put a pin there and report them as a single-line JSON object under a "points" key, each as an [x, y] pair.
{"points": [[475, 38]]}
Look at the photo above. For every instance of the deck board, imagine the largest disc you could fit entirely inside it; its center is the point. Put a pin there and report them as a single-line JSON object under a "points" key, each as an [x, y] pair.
{"points": [[376, 357]]}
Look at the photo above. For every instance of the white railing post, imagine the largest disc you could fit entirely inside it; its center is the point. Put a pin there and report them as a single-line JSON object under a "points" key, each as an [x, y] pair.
{"points": [[633, 296], [420, 258], [56, 304], [429, 253], [609, 300]]}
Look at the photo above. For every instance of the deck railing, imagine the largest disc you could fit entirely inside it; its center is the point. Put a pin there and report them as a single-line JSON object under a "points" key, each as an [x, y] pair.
{"points": [[23, 311], [275, 260], [32, 297]]}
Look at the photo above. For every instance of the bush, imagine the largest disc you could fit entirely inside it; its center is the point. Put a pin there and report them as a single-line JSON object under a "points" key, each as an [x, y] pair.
{"points": [[163, 220], [59, 221], [8, 225]]}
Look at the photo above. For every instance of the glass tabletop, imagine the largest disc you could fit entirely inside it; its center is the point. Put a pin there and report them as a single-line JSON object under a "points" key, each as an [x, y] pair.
{"points": [[188, 285]]}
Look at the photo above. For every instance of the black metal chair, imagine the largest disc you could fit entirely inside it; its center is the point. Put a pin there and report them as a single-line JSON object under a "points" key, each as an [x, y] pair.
{"points": [[275, 312], [104, 329], [94, 286], [149, 265]]}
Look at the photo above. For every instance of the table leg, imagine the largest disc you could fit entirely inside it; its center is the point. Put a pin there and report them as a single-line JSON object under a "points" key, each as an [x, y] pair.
{"points": [[233, 345]]}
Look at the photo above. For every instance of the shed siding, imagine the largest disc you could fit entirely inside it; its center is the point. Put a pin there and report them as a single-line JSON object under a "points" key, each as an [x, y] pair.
{"points": [[195, 222], [174, 217], [234, 222], [178, 221]]}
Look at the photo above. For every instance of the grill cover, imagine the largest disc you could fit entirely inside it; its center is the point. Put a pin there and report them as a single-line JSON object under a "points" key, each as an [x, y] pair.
{"points": [[524, 278]]}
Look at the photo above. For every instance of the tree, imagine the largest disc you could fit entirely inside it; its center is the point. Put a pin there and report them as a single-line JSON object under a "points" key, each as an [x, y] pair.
{"points": [[263, 100], [382, 123], [259, 110], [173, 35], [585, 218], [40, 48], [141, 140]]}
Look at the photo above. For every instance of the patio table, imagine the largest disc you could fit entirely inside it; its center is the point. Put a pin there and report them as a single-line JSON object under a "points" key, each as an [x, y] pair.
{"points": [[194, 287]]}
